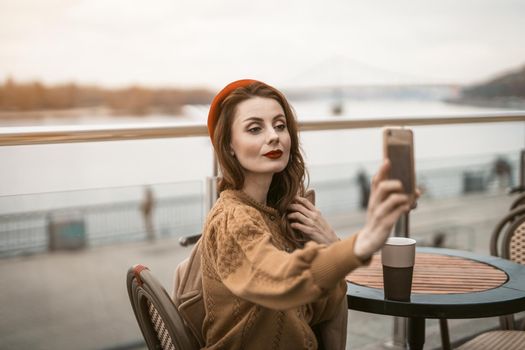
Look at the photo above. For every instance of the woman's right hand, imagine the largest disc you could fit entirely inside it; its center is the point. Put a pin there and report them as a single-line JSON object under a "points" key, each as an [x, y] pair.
{"points": [[386, 204]]}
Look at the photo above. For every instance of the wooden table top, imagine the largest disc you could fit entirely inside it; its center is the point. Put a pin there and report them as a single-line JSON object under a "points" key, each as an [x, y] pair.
{"points": [[436, 274]]}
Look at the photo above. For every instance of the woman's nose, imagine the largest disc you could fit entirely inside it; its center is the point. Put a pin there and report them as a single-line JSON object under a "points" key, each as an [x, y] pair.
{"points": [[272, 135]]}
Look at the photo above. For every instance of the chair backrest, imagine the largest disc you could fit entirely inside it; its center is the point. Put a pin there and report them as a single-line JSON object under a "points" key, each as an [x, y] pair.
{"points": [[513, 242], [158, 318], [510, 245], [520, 200], [520, 188]]}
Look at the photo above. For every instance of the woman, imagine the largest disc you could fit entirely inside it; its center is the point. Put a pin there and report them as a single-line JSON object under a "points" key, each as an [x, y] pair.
{"points": [[273, 268]]}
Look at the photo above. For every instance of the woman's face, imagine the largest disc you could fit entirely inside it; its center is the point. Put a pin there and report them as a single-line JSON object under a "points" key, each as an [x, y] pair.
{"points": [[259, 137]]}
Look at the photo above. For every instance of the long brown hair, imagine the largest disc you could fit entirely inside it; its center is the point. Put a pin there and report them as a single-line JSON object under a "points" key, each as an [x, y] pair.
{"points": [[286, 184]]}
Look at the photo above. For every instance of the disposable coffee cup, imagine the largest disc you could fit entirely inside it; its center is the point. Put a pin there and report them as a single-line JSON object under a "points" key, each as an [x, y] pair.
{"points": [[398, 257]]}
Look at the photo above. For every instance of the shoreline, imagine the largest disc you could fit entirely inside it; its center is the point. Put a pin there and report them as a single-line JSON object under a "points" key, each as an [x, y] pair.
{"points": [[56, 113], [76, 113], [509, 102]]}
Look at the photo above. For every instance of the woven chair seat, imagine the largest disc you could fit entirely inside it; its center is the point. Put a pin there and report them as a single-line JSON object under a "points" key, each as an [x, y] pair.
{"points": [[496, 340]]}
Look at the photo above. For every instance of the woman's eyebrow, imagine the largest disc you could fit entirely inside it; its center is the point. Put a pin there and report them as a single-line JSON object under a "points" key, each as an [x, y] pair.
{"points": [[258, 119], [252, 119]]}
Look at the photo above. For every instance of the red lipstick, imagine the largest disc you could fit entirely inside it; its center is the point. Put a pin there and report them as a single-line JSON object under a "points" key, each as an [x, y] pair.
{"points": [[276, 154]]}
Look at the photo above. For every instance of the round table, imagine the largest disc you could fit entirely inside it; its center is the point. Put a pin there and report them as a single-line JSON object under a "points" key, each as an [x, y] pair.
{"points": [[446, 284]]}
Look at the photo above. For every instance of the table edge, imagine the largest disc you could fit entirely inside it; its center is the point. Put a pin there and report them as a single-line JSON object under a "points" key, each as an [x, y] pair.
{"points": [[458, 305]]}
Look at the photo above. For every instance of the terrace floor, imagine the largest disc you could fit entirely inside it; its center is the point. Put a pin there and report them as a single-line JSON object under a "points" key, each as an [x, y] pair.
{"points": [[78, 299]]}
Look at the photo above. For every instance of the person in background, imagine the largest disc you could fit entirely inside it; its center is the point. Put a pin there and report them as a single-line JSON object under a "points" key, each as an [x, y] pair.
{"points": [[502, 172], [272, 267], [364, 188], [146, 207]]}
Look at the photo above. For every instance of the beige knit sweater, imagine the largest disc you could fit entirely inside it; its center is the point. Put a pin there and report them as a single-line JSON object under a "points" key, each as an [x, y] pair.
{"points": [[258, 292]]}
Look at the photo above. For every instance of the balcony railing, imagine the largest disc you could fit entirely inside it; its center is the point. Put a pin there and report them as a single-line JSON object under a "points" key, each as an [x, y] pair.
{"points": [[123, 220], [29, 231], [31, 135]]}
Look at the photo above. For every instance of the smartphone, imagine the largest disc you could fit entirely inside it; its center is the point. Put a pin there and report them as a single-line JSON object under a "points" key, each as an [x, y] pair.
{"points": [[310, 195], [398, 146]]}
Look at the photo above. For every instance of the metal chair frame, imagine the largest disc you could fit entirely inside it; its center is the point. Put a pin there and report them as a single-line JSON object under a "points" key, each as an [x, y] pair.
{"points": [[520, 200], [500, 245], [505, 225]]}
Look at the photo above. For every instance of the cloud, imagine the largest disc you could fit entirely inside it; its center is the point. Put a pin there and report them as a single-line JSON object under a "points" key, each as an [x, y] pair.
{"points": [[208, 42]]}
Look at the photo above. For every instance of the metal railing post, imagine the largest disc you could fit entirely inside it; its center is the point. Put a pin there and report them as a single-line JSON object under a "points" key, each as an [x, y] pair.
{"points": [[211, 186], [211, 192], [399, 332], [402, 226], [520, 187]]}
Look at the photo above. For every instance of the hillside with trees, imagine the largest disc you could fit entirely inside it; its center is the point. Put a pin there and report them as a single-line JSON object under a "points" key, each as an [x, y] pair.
{"points": [[505, 91], [134, 100]]}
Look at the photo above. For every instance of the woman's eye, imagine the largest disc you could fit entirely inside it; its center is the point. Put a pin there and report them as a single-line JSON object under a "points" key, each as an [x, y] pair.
{"points": [[280, 127], [254, 129]]}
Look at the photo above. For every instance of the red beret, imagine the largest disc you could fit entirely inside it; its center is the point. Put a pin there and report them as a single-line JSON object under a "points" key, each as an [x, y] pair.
{"points": [[215, 108]]}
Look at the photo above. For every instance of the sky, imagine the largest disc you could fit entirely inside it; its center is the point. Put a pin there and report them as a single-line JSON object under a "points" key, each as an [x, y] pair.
{"points": [[207, 43]]}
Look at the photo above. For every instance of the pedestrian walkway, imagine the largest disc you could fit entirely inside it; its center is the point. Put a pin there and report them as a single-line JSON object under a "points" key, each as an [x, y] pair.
{"points": [[78, 299]]}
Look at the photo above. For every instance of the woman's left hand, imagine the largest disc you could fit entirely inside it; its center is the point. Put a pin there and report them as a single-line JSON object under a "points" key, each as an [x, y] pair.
{"points": [[305, 217]]}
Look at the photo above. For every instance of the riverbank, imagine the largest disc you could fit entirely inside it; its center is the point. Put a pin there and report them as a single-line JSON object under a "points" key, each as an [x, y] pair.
{"points": [[508, 102], [64, 113]]}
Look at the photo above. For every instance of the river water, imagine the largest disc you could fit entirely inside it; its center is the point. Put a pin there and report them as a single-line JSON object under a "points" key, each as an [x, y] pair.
{"points": [[66, 167]]}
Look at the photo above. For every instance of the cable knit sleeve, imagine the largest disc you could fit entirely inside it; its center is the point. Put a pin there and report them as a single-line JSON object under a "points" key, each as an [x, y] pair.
{"points": [[251, 267]]}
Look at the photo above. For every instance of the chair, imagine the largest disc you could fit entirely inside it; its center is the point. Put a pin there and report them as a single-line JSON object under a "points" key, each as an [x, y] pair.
{"points": [[158, 318], [510, 245], [508, 241]]}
